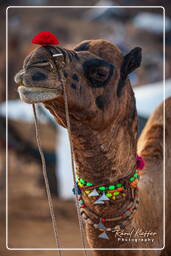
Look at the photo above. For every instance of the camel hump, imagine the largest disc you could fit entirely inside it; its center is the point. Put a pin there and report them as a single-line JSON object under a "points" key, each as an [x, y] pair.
{"points": [[150, 143]]}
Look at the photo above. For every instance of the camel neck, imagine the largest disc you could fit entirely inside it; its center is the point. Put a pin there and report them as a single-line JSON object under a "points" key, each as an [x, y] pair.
{"points": [[104, 156]]}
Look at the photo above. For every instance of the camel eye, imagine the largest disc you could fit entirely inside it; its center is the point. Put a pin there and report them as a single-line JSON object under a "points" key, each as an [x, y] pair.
{"points": [[98, 72]]}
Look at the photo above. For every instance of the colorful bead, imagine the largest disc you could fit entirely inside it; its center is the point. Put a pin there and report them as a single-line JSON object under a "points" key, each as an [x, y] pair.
{"points": [[108, 194], [123, 194], [103, 219], [78, 191], [89, 184], [136, 175], [136, 181], [132, 179], [82, 181], [111, 191], [80, 184], [87, 192], [120, 189], [133, 184], [102, 188], [111, 187], [114, 198], [116, 193], [81, 202], [119, 185], [83, 206]]}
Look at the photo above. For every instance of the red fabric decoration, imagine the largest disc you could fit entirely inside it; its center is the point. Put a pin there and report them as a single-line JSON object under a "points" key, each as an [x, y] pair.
{"points": [[45, 38], [140, 162]]}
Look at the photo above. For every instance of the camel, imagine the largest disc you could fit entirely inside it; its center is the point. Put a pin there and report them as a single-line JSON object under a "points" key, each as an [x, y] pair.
{"points": [[103, 121]]}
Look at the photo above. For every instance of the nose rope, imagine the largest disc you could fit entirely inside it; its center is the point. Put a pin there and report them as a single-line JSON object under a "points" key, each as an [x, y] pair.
{"points": [[81, 227], [62, 79], [44, 169]]}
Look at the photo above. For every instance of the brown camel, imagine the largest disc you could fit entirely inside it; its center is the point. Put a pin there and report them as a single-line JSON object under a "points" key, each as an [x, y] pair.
{"points": [[103, 122]]}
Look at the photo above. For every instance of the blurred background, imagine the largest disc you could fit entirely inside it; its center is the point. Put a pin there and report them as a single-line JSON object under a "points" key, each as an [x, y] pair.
{"points": [[29, 219]]}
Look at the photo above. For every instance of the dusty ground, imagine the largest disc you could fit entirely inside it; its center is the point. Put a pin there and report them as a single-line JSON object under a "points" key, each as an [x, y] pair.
{"points": [[29, 219]]}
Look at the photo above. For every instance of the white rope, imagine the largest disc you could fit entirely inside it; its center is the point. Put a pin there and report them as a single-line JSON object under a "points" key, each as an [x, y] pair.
{"points": [[50, 202]]}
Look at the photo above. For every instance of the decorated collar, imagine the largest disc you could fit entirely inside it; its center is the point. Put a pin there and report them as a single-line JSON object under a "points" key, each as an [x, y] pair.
{"points": [[111, 191], [126, 188]]}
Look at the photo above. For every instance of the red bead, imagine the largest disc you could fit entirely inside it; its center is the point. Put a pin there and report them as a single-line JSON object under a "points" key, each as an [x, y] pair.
{"points": [[83, 206], [103, 219]]}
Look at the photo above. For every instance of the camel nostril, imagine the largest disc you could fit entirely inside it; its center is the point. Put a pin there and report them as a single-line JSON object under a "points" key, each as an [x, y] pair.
{"points": [[38, 76], [19, 77]]}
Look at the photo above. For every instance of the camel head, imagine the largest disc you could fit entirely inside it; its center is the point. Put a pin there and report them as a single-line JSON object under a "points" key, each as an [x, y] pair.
{"points": [[95, 75]]}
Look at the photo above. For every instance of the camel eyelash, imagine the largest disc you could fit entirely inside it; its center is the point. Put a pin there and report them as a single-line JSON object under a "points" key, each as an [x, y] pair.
{"points": [[42, 64]]}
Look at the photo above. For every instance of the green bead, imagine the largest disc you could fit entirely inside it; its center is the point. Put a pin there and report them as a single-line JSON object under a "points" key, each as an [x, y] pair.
{"points": [[119, 185], [81, 201], [89, 184], [82, 181], [136, 175], [132, 179], [108, 194], [116, 193], [111, 187], [102, 188]]}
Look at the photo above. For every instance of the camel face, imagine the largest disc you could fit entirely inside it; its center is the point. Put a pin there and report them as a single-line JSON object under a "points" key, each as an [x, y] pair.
{"points": [[94, 75], [37, 80]]}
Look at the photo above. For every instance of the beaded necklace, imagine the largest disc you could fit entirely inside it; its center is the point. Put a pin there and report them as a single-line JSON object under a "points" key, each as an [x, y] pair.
{"points": [[102, 193]]}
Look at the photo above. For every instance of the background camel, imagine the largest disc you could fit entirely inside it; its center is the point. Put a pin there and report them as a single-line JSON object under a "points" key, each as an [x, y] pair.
{"points": [[104, 128]]}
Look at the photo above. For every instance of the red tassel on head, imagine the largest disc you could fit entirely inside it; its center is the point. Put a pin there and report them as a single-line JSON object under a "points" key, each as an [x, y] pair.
{"points": [[45, 38]]}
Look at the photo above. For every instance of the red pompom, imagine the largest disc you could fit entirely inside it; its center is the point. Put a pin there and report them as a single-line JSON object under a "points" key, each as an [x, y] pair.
{"points": [[45, 38], [140, 163]]}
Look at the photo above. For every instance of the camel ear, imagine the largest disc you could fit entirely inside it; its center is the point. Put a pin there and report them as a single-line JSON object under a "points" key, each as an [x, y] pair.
{"points": [[130, 62], [83, 46]]}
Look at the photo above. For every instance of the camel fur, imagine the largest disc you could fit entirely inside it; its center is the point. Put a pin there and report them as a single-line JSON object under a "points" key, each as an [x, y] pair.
{"points": [[104, 123]]}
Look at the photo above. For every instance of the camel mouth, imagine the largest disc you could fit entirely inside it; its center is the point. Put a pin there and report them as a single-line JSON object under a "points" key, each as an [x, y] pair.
{"points": [[32, 95]]}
